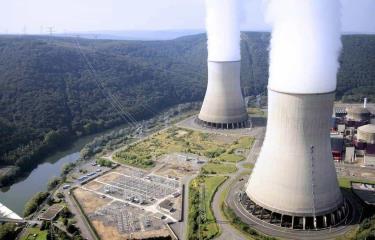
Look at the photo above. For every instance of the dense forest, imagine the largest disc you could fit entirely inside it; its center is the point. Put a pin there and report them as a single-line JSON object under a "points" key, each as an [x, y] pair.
{"points": [[53, 90]]}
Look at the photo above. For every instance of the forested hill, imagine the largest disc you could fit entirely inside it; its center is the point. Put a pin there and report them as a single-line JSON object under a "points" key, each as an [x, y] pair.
{"points": [[48, 94]]}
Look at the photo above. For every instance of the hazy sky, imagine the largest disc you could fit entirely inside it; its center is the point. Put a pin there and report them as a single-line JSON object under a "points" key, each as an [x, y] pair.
{"points": [[91, 15]]}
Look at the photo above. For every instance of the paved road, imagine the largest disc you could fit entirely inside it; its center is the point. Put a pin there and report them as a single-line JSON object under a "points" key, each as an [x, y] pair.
{"points": [[86, 232], [227, 230], [180, 228]]}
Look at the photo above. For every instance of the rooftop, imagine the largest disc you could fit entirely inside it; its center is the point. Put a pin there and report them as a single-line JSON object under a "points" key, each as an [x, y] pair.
{"points": [[357, 110], [369, 128]]}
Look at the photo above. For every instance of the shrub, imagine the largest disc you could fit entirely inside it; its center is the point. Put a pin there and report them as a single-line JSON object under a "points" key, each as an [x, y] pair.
{"points": [[32, 205]]}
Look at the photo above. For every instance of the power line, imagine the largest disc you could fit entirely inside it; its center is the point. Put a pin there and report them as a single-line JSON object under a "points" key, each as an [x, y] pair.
{"points": [[112, 98]]}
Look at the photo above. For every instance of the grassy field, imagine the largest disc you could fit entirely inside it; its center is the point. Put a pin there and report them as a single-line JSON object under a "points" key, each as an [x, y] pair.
{"points": [[256, 112], [176, 139], [248, 232], [40, 235], [235, 221], [219, 168], [209, 229], [230, 157], [345, 182], [248, 165], [244, 143]]}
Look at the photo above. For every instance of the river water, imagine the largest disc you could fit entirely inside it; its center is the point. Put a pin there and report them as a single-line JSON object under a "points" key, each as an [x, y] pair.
{"points": [[15, 196]]}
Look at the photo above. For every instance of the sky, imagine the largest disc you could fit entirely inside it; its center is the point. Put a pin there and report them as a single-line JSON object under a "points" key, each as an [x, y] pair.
{"points": [[36, 16]]}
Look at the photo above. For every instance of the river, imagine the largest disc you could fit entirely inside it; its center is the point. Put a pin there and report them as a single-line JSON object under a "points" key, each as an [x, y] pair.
{"points": [[15, 196]]}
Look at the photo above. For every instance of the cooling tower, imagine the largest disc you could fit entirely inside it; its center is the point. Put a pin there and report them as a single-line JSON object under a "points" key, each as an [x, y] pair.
{"points": [[223, 105], [294, 177]]}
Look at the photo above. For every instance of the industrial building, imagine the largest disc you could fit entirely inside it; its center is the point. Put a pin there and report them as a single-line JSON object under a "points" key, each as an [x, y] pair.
{"points": [[366, 134], [357, 116], [294, 182], [223, 105], [366, 138], [353, 131], [337, 146]]}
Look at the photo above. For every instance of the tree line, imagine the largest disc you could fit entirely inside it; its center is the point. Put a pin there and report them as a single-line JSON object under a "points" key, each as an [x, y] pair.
{"points": [[52, 93]]}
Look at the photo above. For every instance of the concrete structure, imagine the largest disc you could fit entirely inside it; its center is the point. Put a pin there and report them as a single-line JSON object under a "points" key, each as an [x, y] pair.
{"points": [[349, 154], [366, 133], [294, 181], [366, 192], [223, 105], [341, 128], [6, 213], [358, 114], [340, 112], [337, 146]]}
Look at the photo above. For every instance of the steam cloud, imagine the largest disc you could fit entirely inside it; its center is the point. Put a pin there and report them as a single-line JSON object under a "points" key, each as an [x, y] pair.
{"points": [[305, 45], [223, 30]]}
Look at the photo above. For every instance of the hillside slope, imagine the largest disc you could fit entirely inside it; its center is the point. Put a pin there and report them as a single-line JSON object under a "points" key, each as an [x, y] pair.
{"points": [[49, 94]]}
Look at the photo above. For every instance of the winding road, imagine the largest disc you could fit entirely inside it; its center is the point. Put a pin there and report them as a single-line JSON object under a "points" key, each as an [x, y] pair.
{"points": [[227, 230], [235, 184]]}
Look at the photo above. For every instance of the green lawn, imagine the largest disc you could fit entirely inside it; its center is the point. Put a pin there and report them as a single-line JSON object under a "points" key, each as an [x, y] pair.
{"points": [[219, 168], [41, 235], [248, 165], [175, 139], [345, 182], [248, 232], [256, 111], [209, 229], [230, 157], [245, 143]]}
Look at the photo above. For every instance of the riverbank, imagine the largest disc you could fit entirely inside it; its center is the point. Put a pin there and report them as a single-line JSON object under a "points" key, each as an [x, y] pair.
{"points": [[12, 174], [16, 195], [17, 166]]}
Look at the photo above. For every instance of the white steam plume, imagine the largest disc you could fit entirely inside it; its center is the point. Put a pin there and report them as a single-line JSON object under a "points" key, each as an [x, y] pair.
{"points": [[305, 45], [223, 30]]}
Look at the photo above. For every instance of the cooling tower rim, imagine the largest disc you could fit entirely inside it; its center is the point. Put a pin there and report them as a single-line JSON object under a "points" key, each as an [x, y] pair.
{"points": [[219, 61], [330, 210], [295, 93]]}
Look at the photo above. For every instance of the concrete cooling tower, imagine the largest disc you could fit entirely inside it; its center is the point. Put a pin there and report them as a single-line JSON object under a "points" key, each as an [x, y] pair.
{"points": [[294, 182], [223, 105]]}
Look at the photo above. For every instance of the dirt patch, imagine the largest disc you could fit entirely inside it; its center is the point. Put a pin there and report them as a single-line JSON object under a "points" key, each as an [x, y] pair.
{"points": [[89, 201], [51, 212], [108, 177], [151, 234], [110, 232], [94, 185], [175, 171], [367, 174], [181, 133]]}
